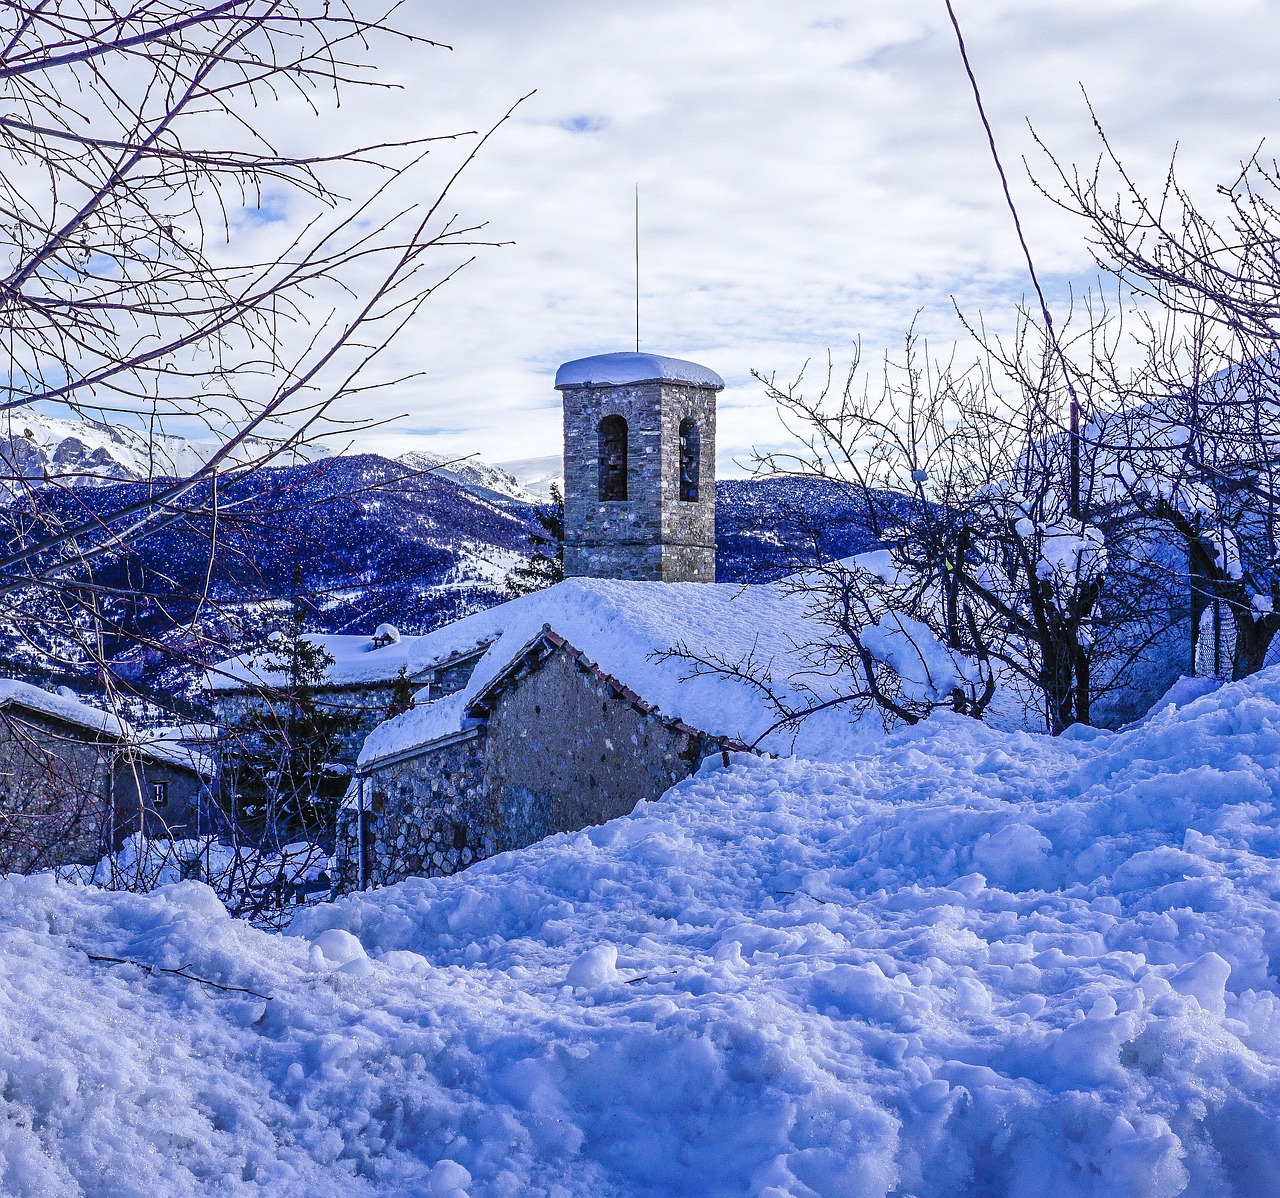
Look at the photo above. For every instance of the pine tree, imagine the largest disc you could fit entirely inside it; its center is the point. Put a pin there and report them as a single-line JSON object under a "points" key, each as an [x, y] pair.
{"points": [[401, 696], [282, 781], [546, 565]]}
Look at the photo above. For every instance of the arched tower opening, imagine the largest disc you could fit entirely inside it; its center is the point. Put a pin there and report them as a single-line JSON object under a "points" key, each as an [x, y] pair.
{"points": [[690, 459], [613, 459]]}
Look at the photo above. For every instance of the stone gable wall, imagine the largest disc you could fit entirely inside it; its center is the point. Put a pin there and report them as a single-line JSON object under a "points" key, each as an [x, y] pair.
{"points": [[565, 751], [653, 535], [562, 751], [54, 806]]}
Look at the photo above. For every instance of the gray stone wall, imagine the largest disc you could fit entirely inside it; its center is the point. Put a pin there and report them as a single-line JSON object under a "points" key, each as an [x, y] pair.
{"points": [[132, 792], [54, 805], [566, 751], [451, 676], [563, 750], [426, 816], [369, 703], [652, 535]]}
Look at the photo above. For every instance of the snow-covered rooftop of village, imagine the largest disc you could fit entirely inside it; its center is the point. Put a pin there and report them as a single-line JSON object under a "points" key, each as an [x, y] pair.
{"points": [[60, 707], [965, 962], [357, 661], [81, 715], [623, 628], [621, 369]]}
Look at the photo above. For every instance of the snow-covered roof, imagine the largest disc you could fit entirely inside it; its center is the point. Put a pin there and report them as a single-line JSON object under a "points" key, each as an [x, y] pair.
{"points": [[617, 370], [357, 661], [206, 733], [59, 707], [621, 628], [171, 752], [14, 693]]}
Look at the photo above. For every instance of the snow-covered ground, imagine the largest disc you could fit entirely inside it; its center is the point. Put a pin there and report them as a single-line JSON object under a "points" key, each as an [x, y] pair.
{"points": [[969, 963]]}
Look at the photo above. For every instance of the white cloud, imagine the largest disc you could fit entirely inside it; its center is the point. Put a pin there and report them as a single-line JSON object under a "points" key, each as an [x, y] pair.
{"points": [[806, 175]]}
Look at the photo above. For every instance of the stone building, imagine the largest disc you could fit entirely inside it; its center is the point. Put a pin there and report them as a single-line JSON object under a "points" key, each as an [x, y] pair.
{"points": [[574, 712], [639, 468], [360, 681], [565, 708], [75, 781]]}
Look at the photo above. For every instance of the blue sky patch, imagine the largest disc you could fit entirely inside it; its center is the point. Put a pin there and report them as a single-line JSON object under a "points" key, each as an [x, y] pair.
{"points": [[584, 123]]}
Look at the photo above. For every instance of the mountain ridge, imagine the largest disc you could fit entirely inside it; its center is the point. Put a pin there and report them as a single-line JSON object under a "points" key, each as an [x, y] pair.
{"points": [[360, 539]]}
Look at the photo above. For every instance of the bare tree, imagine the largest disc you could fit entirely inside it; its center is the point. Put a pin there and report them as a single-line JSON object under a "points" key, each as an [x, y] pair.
{"points": [[1194, 432], [147, 162], [123, 300], [988, 581]]}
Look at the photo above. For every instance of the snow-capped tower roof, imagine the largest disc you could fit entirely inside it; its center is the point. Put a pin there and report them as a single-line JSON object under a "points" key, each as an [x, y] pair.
{"points": [[622, 369]]}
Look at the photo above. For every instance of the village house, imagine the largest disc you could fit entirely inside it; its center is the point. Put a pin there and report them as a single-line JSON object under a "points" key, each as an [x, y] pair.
{"points": [[589, 699], [567, 707], [360, 681], [76, 781]]}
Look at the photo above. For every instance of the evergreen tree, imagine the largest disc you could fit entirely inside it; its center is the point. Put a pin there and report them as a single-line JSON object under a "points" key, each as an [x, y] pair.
{"points": [[401, 696], [283, 785], [546, 565]]}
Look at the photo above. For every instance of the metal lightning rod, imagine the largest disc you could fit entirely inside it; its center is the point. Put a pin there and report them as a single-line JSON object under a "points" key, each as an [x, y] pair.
{"points": [[637, 268]]}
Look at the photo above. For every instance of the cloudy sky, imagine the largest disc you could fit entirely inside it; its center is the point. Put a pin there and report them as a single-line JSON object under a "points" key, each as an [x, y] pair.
{"points": [[809, 172]]}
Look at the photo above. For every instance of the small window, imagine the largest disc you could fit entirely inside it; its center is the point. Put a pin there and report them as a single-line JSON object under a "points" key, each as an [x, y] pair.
{"points": [[690, 459], [160, 794], [613, 459], [459, 836]]}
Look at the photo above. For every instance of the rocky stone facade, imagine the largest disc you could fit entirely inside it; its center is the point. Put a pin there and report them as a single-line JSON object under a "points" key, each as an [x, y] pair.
{"points": [[69, 796], [654, 534], [55, 806], [424, 816], [367, 703], [564, 747]]}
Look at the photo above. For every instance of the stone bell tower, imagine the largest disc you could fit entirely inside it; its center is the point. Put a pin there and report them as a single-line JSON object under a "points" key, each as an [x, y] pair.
{"points": [[639, 468]]}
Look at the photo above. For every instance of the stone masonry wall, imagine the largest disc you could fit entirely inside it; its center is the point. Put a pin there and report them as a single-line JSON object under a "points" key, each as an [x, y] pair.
{"points": [[427, 816], [133, 800], [370, 703], [563, 750], [54, 808], [652, 535]]}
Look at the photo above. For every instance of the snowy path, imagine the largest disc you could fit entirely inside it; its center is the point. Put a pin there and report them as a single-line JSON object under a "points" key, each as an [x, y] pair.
{"points": [[972, 964]]}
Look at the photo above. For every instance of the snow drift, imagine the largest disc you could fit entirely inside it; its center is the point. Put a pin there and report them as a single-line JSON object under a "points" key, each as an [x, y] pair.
{"points": [[969, 963]]}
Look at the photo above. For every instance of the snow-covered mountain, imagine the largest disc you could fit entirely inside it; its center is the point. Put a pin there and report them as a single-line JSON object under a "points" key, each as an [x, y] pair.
{"points": [[473, 473], [373, 539], [537, 475], [83, 453], [37, 448]]}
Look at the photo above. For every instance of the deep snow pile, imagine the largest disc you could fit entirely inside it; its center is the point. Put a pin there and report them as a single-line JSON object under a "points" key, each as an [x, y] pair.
{"points": [[972, 963]]}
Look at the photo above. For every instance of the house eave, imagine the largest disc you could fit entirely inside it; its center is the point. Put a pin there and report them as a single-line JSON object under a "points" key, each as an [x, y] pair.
{"points": [[472, 732]]}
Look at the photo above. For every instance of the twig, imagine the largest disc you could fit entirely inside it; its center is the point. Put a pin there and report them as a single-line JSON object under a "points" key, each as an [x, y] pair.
{"points": [[181, 972], [806, 894], [666, 973]]}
